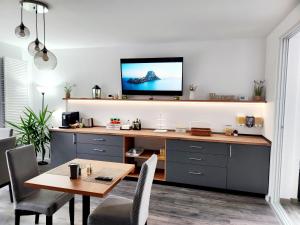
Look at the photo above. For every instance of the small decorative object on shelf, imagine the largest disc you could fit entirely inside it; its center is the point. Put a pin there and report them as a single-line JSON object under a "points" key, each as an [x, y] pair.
{"points": [[228, 130], [258, 121], [195, 131], [241, 120], [177, 98], [96, 92], [126, 126], [235, 133], [250, 121], [137, 124], [192, 89], [124, 97], [68, 89], [259, 87], [114, 124], [243, 98], [214, 96], [134, 152]]}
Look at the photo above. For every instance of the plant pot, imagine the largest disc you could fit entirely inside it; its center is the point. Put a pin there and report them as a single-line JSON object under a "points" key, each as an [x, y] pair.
{"points": [[67, 95], [192, 95], [258, 98]]}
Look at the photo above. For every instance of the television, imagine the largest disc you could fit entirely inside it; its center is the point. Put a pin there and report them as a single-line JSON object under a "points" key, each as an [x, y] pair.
{"points": [[152, 76]]}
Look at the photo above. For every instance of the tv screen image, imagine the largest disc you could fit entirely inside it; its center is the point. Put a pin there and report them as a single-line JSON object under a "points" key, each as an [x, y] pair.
{"points": [[155, 76]]}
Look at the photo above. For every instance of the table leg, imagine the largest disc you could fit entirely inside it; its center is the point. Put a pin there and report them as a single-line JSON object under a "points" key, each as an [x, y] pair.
{"points": [[85, 209]]}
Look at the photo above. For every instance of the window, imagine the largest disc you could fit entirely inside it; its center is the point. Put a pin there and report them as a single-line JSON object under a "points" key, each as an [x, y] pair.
{"points": [[14, 92]]}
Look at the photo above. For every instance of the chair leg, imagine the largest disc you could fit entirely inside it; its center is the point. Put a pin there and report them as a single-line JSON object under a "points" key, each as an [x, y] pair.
{"points": [[71, 210], [17, 217], [49, 220], [10, 193], [37, 218], [146, 223]]}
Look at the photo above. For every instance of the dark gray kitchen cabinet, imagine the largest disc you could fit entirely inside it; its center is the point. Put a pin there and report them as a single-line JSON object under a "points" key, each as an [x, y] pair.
{"points": [[248, 168], [63, 148]]}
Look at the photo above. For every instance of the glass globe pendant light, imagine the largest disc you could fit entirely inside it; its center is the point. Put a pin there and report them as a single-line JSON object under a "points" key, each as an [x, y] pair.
{"points": [[22, 31], [35, 46], [44, 59]]}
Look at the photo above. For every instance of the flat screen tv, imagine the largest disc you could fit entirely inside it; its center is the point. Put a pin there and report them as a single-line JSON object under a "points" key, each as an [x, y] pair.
{"points": [[152, 76]]}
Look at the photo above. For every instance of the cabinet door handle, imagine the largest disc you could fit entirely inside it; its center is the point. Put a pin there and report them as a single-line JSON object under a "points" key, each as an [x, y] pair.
{"points": [[195, 173], [98, 139], [194, 146], [74, 138], [197, 159], [230, 151], [98, 150]]}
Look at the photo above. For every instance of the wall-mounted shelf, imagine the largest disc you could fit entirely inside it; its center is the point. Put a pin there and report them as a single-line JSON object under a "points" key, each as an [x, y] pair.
{"points": [[163, 100]]}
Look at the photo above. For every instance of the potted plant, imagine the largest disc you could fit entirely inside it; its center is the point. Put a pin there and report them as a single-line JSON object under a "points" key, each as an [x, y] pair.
{"points": [[68, 89], [34, 129], [259, 90]]}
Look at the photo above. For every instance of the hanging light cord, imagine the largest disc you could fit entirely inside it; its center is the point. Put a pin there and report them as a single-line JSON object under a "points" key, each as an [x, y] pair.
{"points": [[36, 25], [22, 12], [44, 27]]}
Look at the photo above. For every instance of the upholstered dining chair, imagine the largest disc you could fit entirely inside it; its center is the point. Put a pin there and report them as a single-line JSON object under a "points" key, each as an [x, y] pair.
{"points": [[116, 210], [5, 144], [6, 132], [22, 166]]}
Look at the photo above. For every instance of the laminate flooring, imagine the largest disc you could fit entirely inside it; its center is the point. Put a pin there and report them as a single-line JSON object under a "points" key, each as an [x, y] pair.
{"points": [[169, 206], [292, 208]]}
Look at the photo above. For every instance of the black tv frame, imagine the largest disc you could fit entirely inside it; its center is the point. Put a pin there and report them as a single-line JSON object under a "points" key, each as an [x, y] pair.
{"points": [[152, 60]]}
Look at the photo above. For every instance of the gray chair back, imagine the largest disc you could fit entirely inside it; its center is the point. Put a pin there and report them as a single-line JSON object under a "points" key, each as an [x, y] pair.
{"points": [[6, 132], [22, 166], [5, 144], [140, 210]]}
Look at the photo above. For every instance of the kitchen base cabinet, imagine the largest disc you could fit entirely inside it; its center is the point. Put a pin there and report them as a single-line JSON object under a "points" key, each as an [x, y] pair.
{"points": [[231, 165], [248, 168], [208, 176], [63, 148]]}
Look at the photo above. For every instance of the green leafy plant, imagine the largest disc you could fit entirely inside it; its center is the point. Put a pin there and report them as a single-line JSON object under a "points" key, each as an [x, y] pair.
{"points": [[259, 87], [34, 129]]}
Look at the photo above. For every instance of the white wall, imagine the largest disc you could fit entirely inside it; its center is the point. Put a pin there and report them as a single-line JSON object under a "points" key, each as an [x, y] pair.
{"points": [[10, 51], [224, 67]]}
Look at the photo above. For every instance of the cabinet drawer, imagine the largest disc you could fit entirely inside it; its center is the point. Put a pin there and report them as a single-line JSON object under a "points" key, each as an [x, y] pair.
{"points": [[198, 146], [99, 139], [196, 175], [100, 157], [93, 149], [197, 158]]}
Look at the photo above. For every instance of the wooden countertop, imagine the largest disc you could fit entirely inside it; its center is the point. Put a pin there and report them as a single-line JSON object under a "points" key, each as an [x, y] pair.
{"points": [[242, 139]]}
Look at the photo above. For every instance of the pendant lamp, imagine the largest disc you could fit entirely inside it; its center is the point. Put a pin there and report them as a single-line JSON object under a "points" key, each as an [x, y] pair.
{"points": [[22, 31], [44, 59], [35, 46]]}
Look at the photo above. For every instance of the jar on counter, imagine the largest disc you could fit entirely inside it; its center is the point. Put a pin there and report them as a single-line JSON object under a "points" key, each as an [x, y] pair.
{"points": [[228, 130]]}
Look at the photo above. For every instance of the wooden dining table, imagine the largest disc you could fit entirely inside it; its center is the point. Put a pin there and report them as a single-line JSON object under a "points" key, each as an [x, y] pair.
{"points": [[58, 179]]}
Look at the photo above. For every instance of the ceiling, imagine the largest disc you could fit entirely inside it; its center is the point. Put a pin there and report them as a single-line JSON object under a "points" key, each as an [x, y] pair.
{"points": [[78, 23]]}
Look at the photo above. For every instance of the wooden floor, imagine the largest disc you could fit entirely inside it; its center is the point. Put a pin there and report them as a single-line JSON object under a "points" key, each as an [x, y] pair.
{"points": [[292, 208], [170, 206]]}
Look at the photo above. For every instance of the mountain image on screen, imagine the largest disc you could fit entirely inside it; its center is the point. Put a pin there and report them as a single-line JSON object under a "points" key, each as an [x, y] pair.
{"points": [[151, 76]]}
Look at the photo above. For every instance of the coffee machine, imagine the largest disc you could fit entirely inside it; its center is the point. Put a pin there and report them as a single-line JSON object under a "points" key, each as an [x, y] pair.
{"points": [[69, 118]]}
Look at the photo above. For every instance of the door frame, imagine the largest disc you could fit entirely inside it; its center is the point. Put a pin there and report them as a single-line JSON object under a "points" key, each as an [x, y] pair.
{"points": [[277, 145]]}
